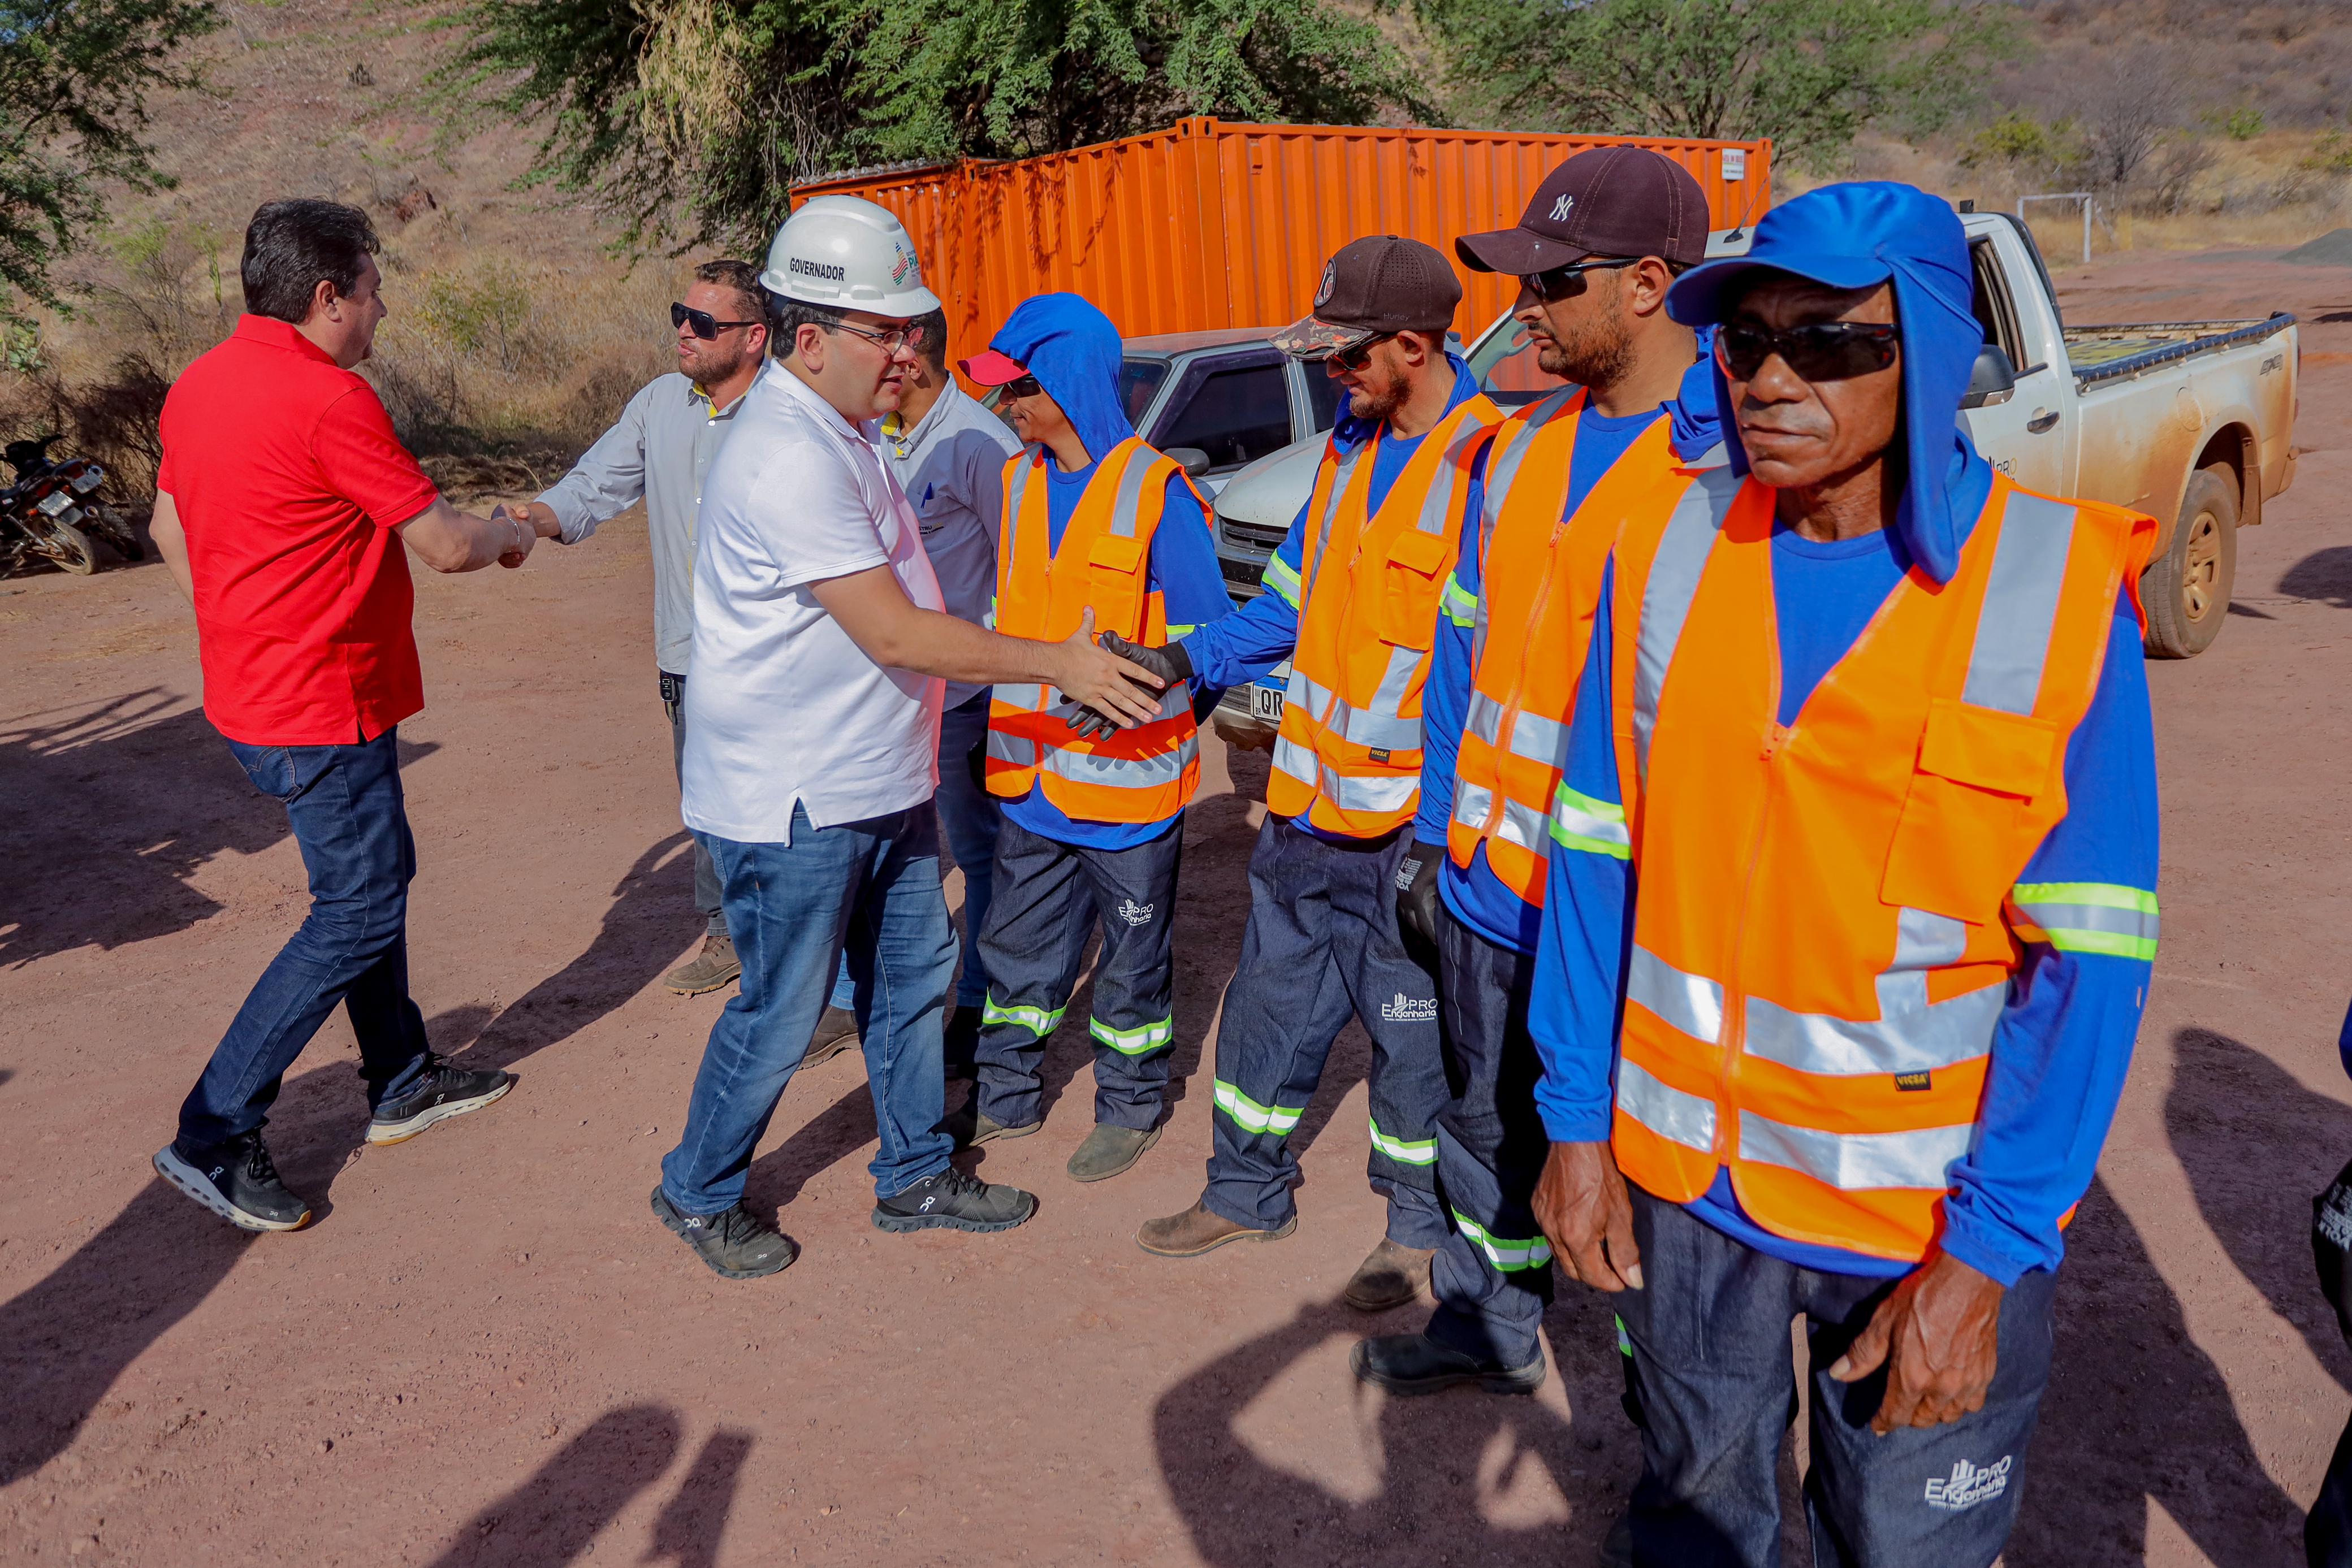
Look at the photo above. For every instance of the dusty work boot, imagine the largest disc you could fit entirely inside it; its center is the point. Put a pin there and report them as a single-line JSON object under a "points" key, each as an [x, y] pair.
{"points": [[1197, 1230], [736, 1243], [1389, 1277], [1109, 1150], [1416, 1364], [714, 966], [971, 1127], [837, 1031]]}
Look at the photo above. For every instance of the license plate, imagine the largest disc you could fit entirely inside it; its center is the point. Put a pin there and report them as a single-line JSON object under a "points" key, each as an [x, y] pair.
{"points": [[1265, 702]]}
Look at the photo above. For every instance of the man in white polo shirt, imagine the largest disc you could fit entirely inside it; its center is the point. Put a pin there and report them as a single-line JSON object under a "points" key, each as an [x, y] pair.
{"points": [[812, 741]]}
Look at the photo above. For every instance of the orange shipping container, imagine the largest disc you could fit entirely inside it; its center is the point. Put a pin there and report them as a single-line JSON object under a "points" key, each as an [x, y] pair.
{"points": [[1208, 225]]}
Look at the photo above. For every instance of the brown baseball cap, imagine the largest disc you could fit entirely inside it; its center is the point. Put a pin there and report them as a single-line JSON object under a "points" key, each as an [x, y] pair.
{"points": [[1610, 202], [1373, 287]]}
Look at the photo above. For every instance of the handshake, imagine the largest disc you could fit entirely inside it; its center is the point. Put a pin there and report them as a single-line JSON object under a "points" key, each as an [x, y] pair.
{"points": [[527, 523], [1169, 665]]}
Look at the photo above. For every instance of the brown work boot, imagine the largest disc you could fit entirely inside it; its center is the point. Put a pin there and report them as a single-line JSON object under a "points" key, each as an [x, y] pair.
{"points": [[837, 1031], [1390, 1277], [714, 966], [1196, 1230]]}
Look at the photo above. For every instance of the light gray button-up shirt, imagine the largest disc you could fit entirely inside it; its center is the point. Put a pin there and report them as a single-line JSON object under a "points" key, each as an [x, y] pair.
{"points": [[659, 450], [951, 466]]}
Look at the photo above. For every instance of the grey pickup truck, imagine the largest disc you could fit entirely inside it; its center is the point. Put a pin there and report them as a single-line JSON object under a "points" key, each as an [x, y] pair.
{"points": [[2192, 422]]}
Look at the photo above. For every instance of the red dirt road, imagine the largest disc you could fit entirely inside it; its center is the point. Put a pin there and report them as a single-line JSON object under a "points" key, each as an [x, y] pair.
{"points": [[487, 1352]]}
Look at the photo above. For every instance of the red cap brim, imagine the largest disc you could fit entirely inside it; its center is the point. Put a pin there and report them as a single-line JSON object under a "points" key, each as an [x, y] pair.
{"points": [[990, 369]]}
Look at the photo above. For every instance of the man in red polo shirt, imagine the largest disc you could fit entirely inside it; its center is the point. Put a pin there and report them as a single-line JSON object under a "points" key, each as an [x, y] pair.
{"points": [[281, 506]]}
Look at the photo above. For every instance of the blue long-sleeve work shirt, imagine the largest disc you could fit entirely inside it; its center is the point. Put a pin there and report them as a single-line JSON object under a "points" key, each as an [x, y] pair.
{"points": [[2065, 1038], [1477, 897], [1184, 571]]}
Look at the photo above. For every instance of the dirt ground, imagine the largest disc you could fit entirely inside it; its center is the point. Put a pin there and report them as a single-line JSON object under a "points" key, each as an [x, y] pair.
{"points": [[487, 1352]]}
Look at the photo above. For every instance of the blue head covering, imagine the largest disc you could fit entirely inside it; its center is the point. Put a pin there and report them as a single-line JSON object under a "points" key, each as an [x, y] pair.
{"points": [[1696, 413], [1074, 351], [1851, 236]]}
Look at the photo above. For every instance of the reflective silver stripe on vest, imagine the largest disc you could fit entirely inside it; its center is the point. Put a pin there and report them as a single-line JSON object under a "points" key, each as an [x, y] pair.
{"points": [[1016, 749], [1678, 1117], [1691, 1003], [1534, 736], [1667, 599], [1471, 804], [1437, 506], [1500, 473], [1397, 679], [1374, 731], [2021, 604], [1389, 792], [1311, 566], [1121, 772], [1858, 1162], [1518, 824], [1911, 1034], [1130, 493], [1021, 694]]}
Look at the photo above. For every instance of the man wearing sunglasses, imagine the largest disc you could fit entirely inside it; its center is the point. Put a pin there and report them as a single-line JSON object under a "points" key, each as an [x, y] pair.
{"points": [[1598, 247], [658, 452], [1094, 522], [821, 649], [1861, 808], [1351, 598]]}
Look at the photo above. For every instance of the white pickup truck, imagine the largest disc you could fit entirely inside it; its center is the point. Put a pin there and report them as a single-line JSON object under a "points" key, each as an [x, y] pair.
{"points": [[2192, 422]]}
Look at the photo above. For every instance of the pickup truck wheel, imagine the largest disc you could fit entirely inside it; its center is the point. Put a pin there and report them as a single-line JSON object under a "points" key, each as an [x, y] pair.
{"points": [[2187, 589]]}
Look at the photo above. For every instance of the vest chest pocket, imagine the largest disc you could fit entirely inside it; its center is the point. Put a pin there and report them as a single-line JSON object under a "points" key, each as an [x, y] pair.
{"points": [[1969, 825], [1410, 581], [1115, 584]]}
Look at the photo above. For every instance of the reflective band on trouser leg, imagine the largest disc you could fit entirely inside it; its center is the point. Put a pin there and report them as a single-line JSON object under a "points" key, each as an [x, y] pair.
{"points": [[2086, 917], [1036, 1020], [1252, 1117], [1420, 1153], [1580, 822], [1134, 1042], [1502, 1253]]}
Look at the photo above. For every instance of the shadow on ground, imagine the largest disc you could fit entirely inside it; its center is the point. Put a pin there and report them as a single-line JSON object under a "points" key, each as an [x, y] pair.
{"points": [[2324, 576], [64, 1341]]}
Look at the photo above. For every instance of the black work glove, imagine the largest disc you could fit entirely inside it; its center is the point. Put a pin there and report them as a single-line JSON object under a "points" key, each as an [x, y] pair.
{"points": [[1416, 893], [1170, 663]]}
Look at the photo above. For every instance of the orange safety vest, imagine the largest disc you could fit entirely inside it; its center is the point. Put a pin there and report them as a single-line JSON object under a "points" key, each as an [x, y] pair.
{"points": [[1538, 585], [1348, 756], [1820, 956], [1142, 775]]}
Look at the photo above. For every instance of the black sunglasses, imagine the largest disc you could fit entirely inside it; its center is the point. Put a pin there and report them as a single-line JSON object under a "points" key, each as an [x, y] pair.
{"points": [[1025, 387], [1357, 358], [1568, 282], [1822, 351], [701, 323]]}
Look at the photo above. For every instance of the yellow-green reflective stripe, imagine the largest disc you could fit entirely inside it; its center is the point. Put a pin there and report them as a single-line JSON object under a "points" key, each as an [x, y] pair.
{"points": [[1580, 822], [1036, 1020], [1460, 606], [1624, 1339], [1281, 577], [1424, 1152], [1185, 631], [1253, 1117], [1505, 1254], [1134, 1042], [2087, 917]]}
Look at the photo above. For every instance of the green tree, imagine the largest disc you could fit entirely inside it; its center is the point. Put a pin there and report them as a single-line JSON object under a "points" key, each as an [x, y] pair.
{"points": [[1809, 74], [75, 76], [692, 118]]}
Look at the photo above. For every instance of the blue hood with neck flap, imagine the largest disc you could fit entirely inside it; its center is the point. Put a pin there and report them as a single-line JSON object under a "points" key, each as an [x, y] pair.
{"points": [[1851, 236], [1074, 351]]}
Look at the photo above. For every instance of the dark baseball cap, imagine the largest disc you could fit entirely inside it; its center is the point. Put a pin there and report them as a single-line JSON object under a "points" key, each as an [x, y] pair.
{"points": [[1611, 202], [1373, 287]]}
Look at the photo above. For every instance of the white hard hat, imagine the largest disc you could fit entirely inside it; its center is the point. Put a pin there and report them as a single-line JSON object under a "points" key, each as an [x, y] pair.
{"points": [[849, 254]]}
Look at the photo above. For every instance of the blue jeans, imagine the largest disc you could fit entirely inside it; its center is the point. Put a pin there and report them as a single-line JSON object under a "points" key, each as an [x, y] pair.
{"points": [[344, 805], [970, 819], [1715, 1388], [869, 890]]}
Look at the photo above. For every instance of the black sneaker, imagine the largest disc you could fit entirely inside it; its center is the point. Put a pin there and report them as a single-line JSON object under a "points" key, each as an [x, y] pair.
{"points": [[737, 1243], [236, 1181], [444, 1092], [957, 1201]]}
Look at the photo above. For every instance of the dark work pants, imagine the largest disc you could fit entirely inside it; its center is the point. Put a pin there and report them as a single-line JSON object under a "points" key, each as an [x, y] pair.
{"points": [[1047, 898], [1492, 1277], [1709, 1339], [1322, 945], [345, 807], [707, 900]]}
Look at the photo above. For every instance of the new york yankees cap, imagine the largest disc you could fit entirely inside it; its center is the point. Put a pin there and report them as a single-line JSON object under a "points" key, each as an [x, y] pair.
{"points": [[1607, 201], [1372, 288]]}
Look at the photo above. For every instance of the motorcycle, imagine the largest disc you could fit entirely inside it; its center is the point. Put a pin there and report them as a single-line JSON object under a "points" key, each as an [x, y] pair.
{"points": [[51, 512]]}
